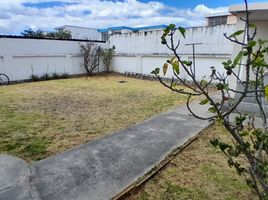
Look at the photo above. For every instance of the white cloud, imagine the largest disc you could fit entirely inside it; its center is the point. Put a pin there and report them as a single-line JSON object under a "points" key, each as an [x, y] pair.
{"points": [[15, 16]]}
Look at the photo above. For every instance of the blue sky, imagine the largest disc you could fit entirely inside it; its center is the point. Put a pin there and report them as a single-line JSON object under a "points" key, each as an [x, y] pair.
{"points": [[18, 15], [209, 3]]}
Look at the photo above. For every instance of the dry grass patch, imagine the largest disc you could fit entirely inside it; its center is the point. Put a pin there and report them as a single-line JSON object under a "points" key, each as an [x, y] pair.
{"points": [[199, 172], [40, 119]]}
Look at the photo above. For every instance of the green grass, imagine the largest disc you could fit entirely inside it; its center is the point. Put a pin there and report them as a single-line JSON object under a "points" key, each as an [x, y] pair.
{"points": [[40, 119], [199, 172]]}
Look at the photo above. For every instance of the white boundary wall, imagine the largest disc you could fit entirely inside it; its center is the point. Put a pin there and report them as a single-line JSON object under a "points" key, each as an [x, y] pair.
{"points": [[142, 52], [145, 64], [20, 58]]}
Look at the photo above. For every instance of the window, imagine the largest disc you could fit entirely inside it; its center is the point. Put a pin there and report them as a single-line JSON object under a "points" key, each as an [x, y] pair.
{"points": [[215, 21], [104, 36]]}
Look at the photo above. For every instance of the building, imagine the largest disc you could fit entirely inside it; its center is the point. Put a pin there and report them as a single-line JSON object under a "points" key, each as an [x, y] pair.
{"points": [[125, 29], [258, 15], [81, 32], [223, 18]]}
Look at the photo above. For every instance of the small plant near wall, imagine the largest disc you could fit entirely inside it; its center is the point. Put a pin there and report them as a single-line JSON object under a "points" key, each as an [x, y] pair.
{"points": [[91, 54], [106, 58], [65, 75], [55, 75], [34, 77], [47, 76]]}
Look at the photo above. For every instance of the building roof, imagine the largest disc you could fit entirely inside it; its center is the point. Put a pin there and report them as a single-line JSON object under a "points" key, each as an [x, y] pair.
{"points": [[149, 27], [117, 28], [66, 26], [44, 38], [219, 14], [251, 7]]}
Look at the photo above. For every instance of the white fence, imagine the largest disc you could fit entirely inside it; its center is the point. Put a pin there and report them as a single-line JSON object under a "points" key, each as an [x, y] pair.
{"points": [[20, 58]]}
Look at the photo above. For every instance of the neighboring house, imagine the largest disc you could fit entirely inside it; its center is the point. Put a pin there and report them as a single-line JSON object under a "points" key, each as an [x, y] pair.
{"points": [[223, 18], [125, 29], [81, 32], [258, 14]]}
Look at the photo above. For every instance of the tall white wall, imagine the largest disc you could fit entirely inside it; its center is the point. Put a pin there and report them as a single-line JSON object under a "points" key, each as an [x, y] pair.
{"points": [[145, 64], [19, 58], [149, 42], [141, 53]]}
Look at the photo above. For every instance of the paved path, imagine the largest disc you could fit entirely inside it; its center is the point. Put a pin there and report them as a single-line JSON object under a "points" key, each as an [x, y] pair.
{"points": [[99, 170]]}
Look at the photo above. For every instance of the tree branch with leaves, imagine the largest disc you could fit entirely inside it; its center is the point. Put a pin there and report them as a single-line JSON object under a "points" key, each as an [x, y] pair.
{"points": [[249, 143]]}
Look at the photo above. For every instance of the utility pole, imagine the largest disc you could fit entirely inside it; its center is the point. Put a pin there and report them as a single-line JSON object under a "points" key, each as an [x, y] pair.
{"points": [[193, 45]]}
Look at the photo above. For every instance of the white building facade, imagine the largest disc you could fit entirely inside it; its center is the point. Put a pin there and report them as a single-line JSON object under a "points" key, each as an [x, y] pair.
{"points": [[81, 33]]}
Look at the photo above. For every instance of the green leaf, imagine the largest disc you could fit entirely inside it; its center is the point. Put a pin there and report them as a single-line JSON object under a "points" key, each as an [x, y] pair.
{"points": [[223, 146], [266, 92], [182, 31], [171, 26], [156, 71], [252, 25], [244, 133], [176, 66], [187, 63], [204, 101], [240, 119], [236, 33], [221, 86], [252, 43], [165, 67], [214, 142], [212, 110], [237, 59], [203, 83], [172, 59]]}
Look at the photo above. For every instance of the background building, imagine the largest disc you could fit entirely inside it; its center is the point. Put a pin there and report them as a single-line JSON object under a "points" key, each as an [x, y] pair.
{"points": [[81, 32]]}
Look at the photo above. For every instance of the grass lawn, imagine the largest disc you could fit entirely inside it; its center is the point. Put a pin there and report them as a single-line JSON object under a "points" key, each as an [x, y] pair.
{"points": [[40, 119], [199, 172]]}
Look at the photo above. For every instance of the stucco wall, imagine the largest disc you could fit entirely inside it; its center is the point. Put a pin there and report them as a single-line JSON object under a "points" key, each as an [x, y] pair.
{"points": [[262, 32], [145, 64], [19, 58], [143, 52], [149, 42]]}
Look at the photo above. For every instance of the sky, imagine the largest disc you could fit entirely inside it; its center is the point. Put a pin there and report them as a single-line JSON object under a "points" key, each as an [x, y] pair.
{"points": [[18, 15]]}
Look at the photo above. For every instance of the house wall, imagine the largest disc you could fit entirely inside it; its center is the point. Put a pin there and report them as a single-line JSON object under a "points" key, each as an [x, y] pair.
{"points": [[20, 58], [231, 19], [142, 52], [84, 33], [262, 32]]}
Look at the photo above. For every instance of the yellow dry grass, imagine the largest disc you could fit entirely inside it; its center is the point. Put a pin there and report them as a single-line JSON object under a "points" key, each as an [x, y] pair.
{"points": [[199, 172], [40, 119]]}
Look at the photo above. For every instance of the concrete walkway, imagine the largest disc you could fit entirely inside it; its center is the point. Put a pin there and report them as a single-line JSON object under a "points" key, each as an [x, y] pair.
{"points": [[101, 169]]}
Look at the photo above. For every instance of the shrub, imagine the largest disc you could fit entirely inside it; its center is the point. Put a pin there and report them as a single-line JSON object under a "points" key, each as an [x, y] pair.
{"points": [[45, 76], [34, 77], [55, 75]]}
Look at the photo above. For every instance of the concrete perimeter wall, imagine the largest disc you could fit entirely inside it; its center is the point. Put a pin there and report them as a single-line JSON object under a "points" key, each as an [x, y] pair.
{"points": [[20, 58], [142, 52], [135, 52]]}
